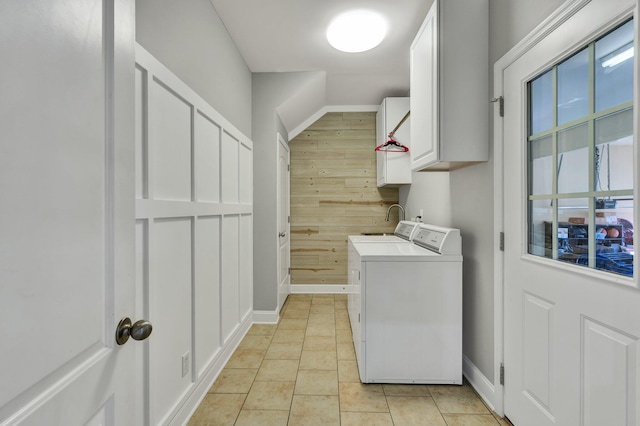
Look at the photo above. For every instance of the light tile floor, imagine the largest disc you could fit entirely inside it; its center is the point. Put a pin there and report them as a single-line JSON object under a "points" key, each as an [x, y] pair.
{"points": [[303, 371]]}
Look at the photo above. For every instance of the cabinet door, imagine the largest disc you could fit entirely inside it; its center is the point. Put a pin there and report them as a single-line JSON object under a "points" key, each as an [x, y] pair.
{"points": [[424, 93], [393, 168], [381, 134]]}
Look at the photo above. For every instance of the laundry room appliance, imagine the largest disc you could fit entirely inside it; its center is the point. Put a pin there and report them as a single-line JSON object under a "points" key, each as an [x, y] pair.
{"points": [[406, 308], [403, 233]]}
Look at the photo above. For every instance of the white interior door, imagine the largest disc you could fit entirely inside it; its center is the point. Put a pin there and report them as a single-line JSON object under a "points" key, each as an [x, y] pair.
{"points": [[572, 351], [284, 245], [66, 185]]}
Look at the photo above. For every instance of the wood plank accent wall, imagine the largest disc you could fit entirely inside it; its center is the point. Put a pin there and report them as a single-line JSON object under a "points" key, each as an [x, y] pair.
{"points": [[334, 194]]}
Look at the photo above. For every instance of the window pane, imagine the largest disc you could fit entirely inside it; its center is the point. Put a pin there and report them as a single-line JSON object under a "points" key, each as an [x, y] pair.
{"points": [[614, 235], [614, 151], [573, 160], [573, 88], [614, 68], [573, 230], [540, 223], [541, 109], [581, 157], [541, 166]]}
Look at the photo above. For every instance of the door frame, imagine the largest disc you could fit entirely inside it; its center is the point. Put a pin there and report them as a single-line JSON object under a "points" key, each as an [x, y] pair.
{"points": [[282, 144], [551, 23]]}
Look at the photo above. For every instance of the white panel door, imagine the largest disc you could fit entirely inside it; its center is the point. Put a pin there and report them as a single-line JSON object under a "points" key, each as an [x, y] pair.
{"points": [[572, 336], [66, 185], [284, 238]]}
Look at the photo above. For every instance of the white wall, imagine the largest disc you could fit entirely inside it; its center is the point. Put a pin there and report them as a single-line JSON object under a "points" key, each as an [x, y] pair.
{"points": [[431, 193], [189, 38], [270, 92]]}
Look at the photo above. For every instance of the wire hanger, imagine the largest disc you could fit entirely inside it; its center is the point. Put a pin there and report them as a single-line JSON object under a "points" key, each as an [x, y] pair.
{"points": [[393, 145]]}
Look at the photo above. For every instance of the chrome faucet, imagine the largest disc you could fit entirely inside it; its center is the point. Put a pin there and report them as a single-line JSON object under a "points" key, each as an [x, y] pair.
{"points": [[400, 212]]}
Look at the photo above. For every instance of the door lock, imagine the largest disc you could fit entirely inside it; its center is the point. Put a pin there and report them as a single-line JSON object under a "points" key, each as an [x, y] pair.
{"points": [[282, 234], [139, 330]]}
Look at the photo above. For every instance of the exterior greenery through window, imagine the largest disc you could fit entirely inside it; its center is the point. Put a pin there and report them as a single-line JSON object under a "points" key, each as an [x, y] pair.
{"points": [[580, 156]]}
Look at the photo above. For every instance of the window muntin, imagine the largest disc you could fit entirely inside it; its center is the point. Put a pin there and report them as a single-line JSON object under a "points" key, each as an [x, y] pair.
{"points": [[580, 157]]}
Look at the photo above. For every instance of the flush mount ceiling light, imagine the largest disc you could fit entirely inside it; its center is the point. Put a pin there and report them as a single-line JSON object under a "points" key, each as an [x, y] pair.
{"points": [[356, 31]]}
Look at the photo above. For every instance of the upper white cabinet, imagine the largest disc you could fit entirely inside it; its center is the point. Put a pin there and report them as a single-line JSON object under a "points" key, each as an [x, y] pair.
{"points": [[449, 86], [393, 168]]}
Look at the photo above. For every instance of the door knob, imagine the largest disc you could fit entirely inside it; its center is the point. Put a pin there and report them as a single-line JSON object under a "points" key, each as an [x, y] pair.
{"points": [[282, 234], [139, 330]]}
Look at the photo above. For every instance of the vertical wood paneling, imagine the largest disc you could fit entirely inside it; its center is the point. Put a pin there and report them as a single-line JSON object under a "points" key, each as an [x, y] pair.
{"points": [[334, 195]]}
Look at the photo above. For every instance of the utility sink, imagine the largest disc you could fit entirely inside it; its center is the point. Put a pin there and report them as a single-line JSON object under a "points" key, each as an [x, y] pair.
{"points": [[375, 233]]}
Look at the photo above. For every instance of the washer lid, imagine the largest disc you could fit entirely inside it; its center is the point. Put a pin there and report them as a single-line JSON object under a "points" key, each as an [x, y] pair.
{"points": [[397, 252], [377, 239]]}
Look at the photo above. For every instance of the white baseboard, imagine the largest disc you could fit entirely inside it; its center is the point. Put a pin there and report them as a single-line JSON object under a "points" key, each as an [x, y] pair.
{"points": [[485, 388], [266, 317], [321, 289], [210, 374]]}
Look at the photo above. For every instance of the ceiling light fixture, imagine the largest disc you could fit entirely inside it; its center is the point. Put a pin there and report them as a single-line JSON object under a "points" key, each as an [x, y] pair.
{"points": [[357, 31], [618, 58]]}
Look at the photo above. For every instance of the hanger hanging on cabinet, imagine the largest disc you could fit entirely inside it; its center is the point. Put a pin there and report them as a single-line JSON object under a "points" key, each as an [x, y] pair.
{"points": [[393, 145]]}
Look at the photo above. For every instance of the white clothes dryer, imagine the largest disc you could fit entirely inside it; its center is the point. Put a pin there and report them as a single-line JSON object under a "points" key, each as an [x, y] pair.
{"points": [[406, 308]]}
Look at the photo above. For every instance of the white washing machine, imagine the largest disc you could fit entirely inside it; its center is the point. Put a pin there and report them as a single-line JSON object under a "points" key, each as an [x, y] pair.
{"points": [[406, 308]]}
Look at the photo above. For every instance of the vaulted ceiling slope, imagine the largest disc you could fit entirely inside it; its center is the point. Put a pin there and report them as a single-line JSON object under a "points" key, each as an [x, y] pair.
{"points": [[289, 36]]}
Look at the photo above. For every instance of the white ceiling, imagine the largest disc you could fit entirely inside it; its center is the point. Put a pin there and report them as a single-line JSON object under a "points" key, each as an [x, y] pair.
{"points": [[289, 35]]}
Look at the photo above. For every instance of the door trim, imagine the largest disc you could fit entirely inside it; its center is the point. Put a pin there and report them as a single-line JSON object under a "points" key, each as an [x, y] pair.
{"points": [[553, 21], [283, 290]]}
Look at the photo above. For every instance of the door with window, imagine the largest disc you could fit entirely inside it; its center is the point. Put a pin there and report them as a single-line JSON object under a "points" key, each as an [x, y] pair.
{"points": [[572, 301]]}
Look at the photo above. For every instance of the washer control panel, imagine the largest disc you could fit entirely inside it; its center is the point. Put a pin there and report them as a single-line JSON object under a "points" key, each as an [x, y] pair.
{"points": [[438, 239]]}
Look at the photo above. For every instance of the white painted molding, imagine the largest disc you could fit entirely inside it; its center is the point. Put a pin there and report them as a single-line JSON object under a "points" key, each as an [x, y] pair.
{"points": [[199, 391], [266, 317], [321, 289], [330, 108], [553, 21], [481, 384]]}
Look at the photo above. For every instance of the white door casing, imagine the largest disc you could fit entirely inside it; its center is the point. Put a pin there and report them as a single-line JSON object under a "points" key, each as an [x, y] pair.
{"points": [[284, 228], [67, 247], [571, 335]]}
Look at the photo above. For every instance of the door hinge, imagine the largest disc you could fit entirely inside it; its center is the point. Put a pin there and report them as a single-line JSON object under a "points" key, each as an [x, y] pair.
{"points": [[288, 167], [502, 241], [288, 219], [358, 275], [358, 317], [501, 373], [500, 101]]}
